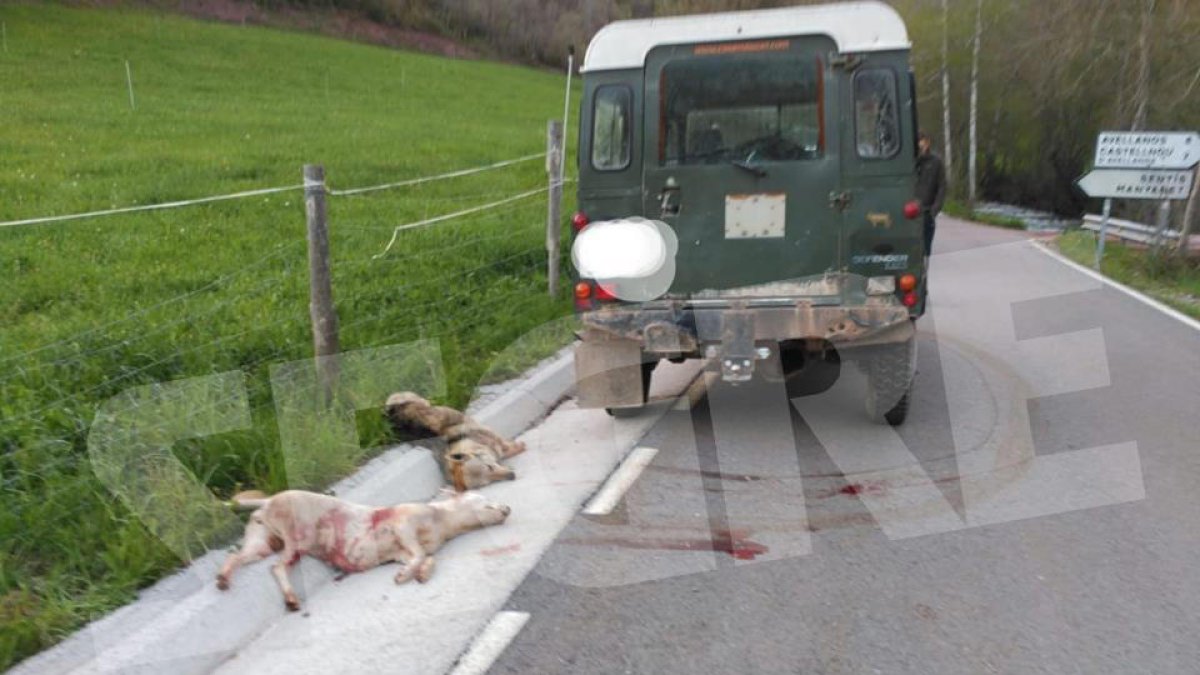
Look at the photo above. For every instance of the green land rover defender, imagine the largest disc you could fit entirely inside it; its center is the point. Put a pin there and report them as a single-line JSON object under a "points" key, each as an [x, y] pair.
{"points": [[776, 150]]}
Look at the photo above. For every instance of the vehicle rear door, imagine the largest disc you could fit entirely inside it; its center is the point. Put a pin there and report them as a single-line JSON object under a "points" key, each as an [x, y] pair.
{"points": [[741, 161], [878, 167]]}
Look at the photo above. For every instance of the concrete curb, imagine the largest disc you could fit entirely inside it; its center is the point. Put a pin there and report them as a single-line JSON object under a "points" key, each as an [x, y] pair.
{"points": [[369, 625], [159, 632]]}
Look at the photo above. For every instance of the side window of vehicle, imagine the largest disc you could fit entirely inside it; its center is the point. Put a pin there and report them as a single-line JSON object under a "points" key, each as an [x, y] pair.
{"points": [[876, 114], [611, 128]]}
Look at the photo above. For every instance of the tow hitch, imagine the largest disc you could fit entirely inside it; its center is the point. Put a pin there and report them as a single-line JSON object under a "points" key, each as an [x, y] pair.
{"points": [[738, 351]]}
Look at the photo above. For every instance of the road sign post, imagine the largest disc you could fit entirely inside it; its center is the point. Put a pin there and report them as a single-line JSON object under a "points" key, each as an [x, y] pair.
{"points": [[1141, 165], [1103, 233]]}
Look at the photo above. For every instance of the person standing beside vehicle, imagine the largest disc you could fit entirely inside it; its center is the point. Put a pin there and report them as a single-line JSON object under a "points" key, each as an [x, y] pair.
{"points": [[931, 186]]}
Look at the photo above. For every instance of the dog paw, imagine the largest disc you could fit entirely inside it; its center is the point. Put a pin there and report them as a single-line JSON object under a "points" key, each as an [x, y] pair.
{"points": [[222, 582], [293, 603], [425, 570]]}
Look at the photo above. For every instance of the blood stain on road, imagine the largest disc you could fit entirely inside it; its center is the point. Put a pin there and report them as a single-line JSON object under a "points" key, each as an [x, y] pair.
{"points": [[502, 550]]}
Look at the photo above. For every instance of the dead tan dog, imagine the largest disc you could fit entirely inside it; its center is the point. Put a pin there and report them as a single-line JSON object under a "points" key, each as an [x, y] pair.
{"points": [[473, 452], [352, 537]]}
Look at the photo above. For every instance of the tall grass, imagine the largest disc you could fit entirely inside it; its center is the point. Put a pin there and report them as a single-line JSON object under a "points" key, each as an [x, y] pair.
{"points": [[92, 309], [1172, 279]]}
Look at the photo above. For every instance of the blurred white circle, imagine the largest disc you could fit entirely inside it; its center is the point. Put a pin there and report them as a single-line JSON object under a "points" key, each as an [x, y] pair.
{"points": [[631, 248]]}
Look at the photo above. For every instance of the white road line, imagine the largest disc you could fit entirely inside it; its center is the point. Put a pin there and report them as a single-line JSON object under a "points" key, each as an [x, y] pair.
{"points": [[1136, 295], [491, 643], [620, 481]]}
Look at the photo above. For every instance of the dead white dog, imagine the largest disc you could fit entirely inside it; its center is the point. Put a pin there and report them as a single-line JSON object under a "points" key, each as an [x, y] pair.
{"points": [[352, 537]]}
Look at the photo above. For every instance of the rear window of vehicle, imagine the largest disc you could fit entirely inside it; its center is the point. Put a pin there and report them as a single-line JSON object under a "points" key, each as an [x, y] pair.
{"points": [[876, 115], [741, 107], [611, 126]]}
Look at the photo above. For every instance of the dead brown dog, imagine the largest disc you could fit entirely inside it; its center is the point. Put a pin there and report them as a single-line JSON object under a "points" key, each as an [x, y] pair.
{"points": [[473, 452], [352, 537]]}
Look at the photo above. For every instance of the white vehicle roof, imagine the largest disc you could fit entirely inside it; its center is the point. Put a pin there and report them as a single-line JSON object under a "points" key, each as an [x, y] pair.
{"points": [[854, 26]]}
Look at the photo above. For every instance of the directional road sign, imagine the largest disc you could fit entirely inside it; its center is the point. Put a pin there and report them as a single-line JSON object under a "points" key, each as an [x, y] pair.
{"points": [[1147, 150], [1137, 184]]}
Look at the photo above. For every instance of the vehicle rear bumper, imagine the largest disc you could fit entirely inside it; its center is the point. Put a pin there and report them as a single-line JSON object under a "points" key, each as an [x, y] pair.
{"points": [[684, 330]]}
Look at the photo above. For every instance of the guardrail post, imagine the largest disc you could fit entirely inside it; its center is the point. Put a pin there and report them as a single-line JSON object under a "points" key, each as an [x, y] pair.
{"points": [[1103, 233], [1164, 218], [554, 140], [321, 310]]}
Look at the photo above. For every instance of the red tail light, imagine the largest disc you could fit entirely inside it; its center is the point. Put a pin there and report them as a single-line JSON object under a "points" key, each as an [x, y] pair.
{"points": [[912, 209], [907, 282], [605, 292], [583, 290], [579, 220], [909, 299]]}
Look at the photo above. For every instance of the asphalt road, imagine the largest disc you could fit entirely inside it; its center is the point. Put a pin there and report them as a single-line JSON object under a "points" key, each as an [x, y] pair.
{"points": [[1037, 513]]}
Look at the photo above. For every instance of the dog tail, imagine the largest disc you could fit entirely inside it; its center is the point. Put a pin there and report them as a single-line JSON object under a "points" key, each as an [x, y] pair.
{"points": [[248, 499]]}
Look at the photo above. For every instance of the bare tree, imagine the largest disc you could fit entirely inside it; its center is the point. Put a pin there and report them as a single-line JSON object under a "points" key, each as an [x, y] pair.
{"points": [[1189, 218], [949, 155], [972, 179], [1141, 95]]}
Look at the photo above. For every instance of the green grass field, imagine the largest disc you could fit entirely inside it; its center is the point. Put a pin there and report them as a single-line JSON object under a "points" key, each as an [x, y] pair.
{"points": [[1169, 279], [91, 308]]}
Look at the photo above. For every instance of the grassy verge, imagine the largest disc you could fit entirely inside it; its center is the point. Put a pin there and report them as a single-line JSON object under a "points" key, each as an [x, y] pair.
{"points": [[958, 209], [1172, 280], [93, 309]]}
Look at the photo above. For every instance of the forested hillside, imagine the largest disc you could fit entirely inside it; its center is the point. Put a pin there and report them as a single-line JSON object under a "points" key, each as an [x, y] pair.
{"points": [[1050, 74]]}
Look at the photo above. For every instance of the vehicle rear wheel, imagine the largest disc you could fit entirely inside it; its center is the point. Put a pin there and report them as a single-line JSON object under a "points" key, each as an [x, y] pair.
{"points": [[890, 373], [633, 411], [809, 373]]}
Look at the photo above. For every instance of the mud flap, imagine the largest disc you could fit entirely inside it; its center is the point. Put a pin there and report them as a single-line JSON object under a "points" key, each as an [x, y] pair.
{"points": [[608, 372]]}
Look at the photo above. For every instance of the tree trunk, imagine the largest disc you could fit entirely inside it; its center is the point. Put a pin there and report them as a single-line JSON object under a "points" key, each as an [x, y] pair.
{"points": [[1141, 89], [972, 177], [947, 148], [1141, 95], [1189, 218]]}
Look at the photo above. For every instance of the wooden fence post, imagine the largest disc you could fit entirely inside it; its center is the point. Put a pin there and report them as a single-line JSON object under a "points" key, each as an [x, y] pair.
{"points": [[320, 308], [554, 140]]}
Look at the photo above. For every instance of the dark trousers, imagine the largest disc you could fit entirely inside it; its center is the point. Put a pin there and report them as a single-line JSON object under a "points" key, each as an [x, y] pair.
{"points": [[929, 227]]}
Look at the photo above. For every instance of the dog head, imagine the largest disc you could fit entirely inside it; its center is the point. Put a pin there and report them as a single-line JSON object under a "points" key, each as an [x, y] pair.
{"points": [[471, 465], [473, 505]]}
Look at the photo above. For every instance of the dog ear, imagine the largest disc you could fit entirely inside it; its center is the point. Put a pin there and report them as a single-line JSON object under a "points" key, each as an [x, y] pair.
{"points": [[458, 477]]}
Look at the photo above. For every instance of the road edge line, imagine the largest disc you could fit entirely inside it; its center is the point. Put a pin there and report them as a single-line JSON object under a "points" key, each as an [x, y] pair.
{"points": [[490, 643], [1116, 285], [619, 482]]}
